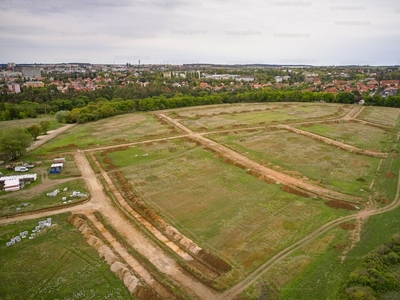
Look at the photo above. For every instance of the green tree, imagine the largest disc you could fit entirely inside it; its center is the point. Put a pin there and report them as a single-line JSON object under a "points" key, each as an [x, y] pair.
{"points": [[60, 116], [45, 125], [14, 142], [35, 130]]}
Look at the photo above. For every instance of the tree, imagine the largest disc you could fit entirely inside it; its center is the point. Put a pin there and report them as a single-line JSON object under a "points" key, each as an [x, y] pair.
{"points": [[35, 130], [60, 116], [344, 97], [45, 126], [14, 142]]}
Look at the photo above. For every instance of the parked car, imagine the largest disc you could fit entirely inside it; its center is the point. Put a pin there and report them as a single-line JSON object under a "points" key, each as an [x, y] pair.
{"points": [[21, 169]]}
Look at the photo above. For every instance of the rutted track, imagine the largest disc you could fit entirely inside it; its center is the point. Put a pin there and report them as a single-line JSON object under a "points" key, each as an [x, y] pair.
{"points": [[250, 279], [332, 142]]}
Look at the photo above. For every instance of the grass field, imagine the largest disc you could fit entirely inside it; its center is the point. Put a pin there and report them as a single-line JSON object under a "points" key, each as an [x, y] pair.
{"points": [[325, 277], [56, 264], [387, 116], [309, 274], [268, 114], [25, 123], [111, 131], [322, 253], [330, 166], [13, 202], [355, 134], [210, 110], [221, 207]]}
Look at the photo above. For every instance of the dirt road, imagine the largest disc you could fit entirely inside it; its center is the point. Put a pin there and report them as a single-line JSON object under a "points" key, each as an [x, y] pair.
{"points": [[332, 142], [267, 172], [50, 135], [254, 276]]}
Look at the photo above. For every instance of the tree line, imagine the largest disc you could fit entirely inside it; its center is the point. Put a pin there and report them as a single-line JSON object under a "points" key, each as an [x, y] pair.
{"points": [[98, 104], [103, 109]]}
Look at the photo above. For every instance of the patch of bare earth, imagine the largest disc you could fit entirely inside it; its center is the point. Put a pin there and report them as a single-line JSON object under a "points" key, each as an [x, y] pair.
{"points": [[355, 234], [341, 205]]}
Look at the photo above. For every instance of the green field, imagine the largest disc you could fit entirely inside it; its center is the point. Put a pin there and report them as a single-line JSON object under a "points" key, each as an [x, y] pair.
{"points": [[387, 116], [25, 123], [264, 116], [221, 207], [333, 168], [111, 131], [326, 276], [56, 264], [354, 134], [322, 254], [316, 271]]}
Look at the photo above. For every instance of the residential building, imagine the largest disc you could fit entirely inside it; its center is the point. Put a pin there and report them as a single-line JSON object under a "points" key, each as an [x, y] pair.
{"points": [[32, 72]]}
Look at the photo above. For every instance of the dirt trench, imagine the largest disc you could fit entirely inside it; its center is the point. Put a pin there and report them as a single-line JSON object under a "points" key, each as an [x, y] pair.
{"points": [[131, 281]]}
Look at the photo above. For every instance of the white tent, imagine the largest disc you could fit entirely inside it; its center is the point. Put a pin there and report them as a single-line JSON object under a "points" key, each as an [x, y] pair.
{"points": [[12, 185]]}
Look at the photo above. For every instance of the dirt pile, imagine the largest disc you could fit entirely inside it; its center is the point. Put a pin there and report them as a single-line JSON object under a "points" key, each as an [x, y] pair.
{"points": [[347, 226], [294, 191], [120, 269], [390, 175], [341, 205]]}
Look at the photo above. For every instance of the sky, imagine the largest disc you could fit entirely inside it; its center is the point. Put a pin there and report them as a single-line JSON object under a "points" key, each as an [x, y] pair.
{"points": [[323, 32]]}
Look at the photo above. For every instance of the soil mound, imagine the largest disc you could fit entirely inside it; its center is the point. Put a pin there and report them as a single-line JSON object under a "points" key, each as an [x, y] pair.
{"points": [[390, 175], [347, 226], [341, 205], [66, 147], [297, 192], [146, 294], [215, 262]]}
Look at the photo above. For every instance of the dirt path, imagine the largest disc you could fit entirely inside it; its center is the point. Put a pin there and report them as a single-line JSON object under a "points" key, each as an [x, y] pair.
{"points": [[254, 276], [332, 142], [50, 135]]}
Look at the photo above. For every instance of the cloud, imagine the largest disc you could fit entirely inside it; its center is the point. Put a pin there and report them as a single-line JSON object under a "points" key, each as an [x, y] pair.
{"points": [[216, 31]]}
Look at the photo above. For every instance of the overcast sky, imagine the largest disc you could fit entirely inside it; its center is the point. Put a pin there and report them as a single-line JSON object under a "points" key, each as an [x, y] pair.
{"points": [[323, 32]]}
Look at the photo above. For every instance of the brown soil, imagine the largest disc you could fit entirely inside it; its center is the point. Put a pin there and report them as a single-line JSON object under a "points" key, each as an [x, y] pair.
{"points": [[145, 294], [294, 191], [347, 226], [116, 149], [341, 205], [214, 262], [66, 147], [339, 247], [384, 200], [390, 175]]}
